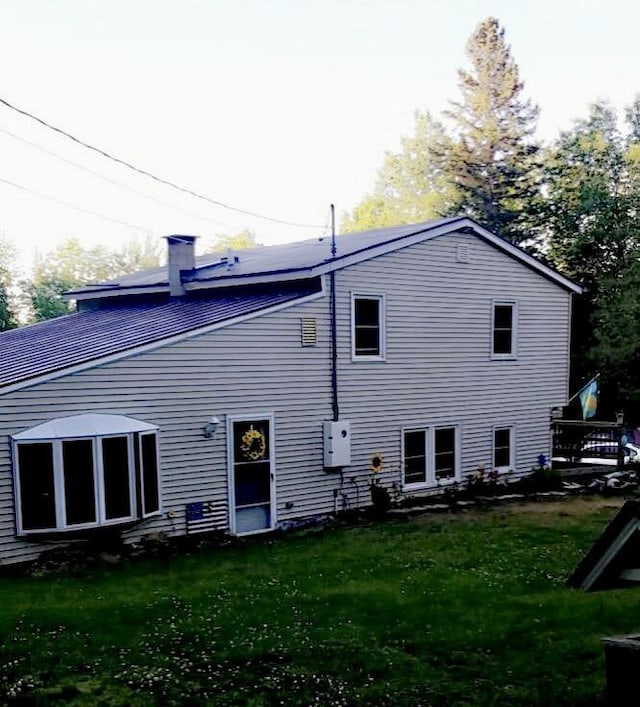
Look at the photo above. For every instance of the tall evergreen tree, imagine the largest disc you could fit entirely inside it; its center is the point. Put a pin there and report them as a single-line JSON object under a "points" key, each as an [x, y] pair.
{"points": [[494, 158]]}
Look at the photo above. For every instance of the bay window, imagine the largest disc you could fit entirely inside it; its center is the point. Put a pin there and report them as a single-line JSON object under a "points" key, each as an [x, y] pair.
{"points": [[85, 471]]}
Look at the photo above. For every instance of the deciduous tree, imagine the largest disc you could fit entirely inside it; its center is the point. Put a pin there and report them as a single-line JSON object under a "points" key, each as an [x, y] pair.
{"points": [[412, 184]]}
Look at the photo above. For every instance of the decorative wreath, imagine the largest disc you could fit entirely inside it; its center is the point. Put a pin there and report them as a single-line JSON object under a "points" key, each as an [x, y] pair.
{"points": [[377, 462], [254, 444]]}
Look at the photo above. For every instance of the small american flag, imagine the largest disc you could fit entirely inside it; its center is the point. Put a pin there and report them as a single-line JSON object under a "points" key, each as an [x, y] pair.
{"points": [[203, 516]]}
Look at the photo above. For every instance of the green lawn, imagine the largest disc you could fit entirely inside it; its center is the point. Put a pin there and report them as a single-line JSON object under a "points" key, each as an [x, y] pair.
{"points": [[466, 609]]}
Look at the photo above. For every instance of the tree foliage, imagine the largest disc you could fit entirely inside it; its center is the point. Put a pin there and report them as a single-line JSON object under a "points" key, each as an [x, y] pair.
{"points": [[412, 185], [237, 241], [494, 159], [7, 265], [71, 265], [592, 214]]}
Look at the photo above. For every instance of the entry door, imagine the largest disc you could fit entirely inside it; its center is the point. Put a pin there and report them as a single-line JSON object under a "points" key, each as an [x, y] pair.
{"points": [[252, 475]]}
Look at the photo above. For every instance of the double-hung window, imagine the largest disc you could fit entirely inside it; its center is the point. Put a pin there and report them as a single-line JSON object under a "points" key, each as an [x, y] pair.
{"points": [[503, 448], [367, 328], [503, 330], [85, 471], [429, 456]]}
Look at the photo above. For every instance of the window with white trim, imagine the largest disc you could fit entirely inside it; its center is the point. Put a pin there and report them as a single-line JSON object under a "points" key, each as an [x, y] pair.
{"points": [[81, 472], [503, 448], [503, 330], [367, 329], [429, 456]]}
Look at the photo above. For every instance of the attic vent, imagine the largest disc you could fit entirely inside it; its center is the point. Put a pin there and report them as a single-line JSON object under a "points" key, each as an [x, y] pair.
{"points": [[463, 253], [308, 331]]}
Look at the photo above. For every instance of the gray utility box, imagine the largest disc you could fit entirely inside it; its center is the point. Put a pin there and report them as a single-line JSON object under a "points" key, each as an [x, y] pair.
{"points": [[622, 666], [337, 443]]}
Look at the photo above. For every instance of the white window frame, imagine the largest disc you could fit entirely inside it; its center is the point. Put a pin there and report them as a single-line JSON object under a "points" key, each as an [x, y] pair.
{"points": [[380, 298], [513, 354], [137, 509], [430, 459], [511, 465]]}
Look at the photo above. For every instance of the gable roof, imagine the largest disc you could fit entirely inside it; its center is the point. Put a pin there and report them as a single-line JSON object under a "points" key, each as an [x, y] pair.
{"points": [[309, 258], [77, 341]]}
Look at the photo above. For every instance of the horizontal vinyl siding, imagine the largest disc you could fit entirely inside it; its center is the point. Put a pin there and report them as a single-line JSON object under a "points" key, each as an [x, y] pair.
{"points": [[251, 367], [438, 370]]}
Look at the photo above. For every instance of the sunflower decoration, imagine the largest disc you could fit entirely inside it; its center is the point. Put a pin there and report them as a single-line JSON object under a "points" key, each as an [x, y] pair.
{"points": [[254, 444], [377, 462]]}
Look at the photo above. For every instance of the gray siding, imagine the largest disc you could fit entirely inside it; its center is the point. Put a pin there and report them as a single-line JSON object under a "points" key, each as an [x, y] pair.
{"points": [[437, 370]]}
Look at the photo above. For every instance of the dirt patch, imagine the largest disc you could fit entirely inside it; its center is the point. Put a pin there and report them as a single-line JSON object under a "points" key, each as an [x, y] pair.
{"points": [[572, 506], [569, 506]]}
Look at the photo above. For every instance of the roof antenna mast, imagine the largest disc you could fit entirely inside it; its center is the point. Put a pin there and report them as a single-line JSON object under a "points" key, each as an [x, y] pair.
{"points": [[333, 231]]}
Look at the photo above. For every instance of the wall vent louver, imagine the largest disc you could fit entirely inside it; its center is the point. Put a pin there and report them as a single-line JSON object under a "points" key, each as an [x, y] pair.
{"points": [[308, 331], [463, 253]]}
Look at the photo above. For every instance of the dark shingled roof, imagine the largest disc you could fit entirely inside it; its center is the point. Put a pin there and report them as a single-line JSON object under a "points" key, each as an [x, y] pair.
{"points": [[58, 344]]}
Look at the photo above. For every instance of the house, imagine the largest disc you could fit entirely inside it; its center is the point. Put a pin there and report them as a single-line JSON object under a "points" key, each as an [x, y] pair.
{"points": [[246, 392]]}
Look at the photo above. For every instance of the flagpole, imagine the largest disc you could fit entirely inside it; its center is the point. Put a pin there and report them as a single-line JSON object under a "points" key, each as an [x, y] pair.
{"points": [[588, 383]]}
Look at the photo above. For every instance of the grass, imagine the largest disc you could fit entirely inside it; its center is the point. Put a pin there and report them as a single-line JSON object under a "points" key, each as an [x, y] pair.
{"points": [[469, 609]]}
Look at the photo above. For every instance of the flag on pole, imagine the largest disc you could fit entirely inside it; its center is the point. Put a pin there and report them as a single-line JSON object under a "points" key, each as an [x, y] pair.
{"points": [[589, 399]]}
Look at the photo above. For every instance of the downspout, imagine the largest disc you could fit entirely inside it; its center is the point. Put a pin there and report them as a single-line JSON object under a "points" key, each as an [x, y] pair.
{"points": [[334, 324]]}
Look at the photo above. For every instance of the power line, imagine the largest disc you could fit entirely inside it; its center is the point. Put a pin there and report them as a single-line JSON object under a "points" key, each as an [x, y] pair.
{"points": [[77, 208], [115, 182], [149, 174]]}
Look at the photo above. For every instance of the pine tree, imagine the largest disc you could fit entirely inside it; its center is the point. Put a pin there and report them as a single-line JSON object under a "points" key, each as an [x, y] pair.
{"points": [[493, 160]]}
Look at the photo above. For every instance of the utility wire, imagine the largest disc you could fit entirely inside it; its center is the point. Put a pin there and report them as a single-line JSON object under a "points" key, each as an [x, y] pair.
{"points": [[109, 180], [149, 174], [77, 208]]}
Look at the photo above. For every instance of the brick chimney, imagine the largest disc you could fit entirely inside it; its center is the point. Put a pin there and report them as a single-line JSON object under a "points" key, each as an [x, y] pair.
{"points": [[182, 260]]}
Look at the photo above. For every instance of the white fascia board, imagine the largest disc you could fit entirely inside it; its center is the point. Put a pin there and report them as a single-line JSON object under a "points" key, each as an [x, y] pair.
{"points": [[115, 292], [103, 360]]}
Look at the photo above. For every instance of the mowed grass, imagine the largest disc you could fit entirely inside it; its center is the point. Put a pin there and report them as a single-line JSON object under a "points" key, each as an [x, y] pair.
{"points": [[466, 609]]}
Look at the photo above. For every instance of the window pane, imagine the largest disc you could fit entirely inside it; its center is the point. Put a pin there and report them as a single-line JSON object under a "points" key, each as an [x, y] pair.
{"points": [[503, 316], [367, 327], [151, 496], [37, 491], [503, 329], [367, 341], [367, 312], [415, 462], [502, 448], [252, 483], [79, 485], [502, 342], [115, 470], [445, 453], [251, 441]]}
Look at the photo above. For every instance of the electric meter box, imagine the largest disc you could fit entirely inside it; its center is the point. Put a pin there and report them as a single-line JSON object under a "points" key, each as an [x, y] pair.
{"points": [[337, 443]]}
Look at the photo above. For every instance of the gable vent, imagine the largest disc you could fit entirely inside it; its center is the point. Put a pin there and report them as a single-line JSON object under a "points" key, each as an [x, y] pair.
{"points": [[463, 253], [308, 330]]}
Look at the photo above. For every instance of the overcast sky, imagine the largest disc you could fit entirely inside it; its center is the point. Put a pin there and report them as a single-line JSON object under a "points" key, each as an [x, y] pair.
{"points": [[278, 107]]}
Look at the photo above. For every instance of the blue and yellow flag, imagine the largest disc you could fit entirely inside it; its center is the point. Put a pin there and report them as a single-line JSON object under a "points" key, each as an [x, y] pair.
{"points": [[589, 399]]}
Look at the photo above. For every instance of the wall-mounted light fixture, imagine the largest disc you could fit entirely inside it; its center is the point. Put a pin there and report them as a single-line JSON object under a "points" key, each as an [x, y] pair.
{"points": [[210, 427]]}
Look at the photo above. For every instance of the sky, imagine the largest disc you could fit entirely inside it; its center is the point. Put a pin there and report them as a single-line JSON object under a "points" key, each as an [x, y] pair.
{"points": [[276, 107]]}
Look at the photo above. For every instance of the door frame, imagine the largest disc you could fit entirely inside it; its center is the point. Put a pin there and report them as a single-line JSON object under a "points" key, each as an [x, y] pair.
{"points": [[249, 417]]}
